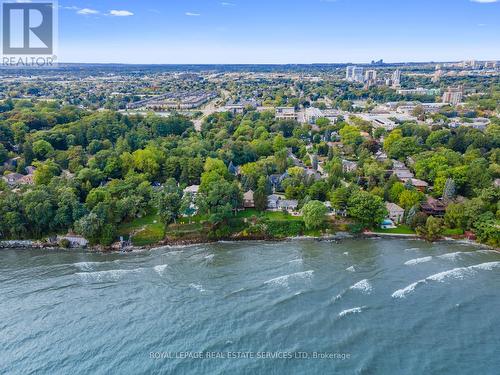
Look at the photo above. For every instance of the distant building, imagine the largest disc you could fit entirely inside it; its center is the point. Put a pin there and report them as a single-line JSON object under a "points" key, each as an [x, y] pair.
{"points": [[354, 74], [370, 77], [349, 166], [453, 96], [313, 114], [420, 91], [286, 113], [348, 73], [235, 109], [396, 78]]}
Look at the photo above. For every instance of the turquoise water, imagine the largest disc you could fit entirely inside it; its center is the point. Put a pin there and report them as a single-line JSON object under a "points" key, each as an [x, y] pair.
{"points": [[375, 306]]}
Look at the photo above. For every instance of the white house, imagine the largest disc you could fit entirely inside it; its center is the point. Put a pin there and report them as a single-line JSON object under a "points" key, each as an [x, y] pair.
{"points": [[278, 203], [193, 190]]}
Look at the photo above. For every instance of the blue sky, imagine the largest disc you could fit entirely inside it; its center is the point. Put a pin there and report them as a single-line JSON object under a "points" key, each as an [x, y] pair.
{"points": [[277, 31]]}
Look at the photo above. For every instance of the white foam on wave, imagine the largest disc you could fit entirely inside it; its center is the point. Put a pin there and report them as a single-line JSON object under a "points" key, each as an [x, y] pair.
{"points": [[455, 273], [297, 261], [283, 280], [487, 266], [401, 293], [451, 256], [160, 269], [363, 285], [198, 287], [209, 257], [351, 269], [109, 275], [354, 310], [346, 253], [412, 262]]}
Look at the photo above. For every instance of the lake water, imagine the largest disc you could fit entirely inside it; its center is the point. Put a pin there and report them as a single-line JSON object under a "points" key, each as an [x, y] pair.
{"points": [[375, 306]]}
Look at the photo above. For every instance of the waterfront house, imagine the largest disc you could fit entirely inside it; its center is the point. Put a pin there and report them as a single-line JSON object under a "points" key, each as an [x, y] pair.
{"points": [[433, 207], [279, 203], [248, 201], [395, 213], [272, 202], [289, 205]]}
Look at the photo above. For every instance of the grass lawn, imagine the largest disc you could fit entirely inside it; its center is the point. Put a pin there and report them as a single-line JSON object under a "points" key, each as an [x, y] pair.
{"points": [[453, 232], [272, 215], [402, 229], [146, 230]]}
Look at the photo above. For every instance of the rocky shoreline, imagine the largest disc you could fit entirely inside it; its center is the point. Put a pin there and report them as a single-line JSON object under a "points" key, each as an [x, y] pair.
{"points": [[40, 244]]}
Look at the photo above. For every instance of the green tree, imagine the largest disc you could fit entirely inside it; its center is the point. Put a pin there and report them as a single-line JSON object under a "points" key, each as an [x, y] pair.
{"points": [[368, 209], [45, 171], [260, 194], [314, 214], [42, 149], [168, 202], [432, 230], [410, 198]]}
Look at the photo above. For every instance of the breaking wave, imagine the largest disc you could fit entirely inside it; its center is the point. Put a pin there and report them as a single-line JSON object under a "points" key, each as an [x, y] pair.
{"points": [[351, 269], [355, 310], [363, 285], [455, 273], [283, 280], [160, 269], [412, 262]]}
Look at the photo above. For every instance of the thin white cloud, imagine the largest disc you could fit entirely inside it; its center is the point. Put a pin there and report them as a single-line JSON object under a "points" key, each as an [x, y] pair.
{"points": [[191, 14], [120, 13], [87, 11], [484, 1], [226, 4]]}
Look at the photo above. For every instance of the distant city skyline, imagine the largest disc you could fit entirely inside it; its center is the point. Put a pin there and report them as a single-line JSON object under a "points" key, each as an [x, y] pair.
{"points": [[278, 31]]}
